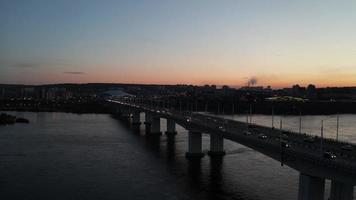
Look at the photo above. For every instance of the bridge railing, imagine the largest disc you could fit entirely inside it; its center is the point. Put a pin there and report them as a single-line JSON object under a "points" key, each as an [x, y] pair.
{"points": [[330, 144]]}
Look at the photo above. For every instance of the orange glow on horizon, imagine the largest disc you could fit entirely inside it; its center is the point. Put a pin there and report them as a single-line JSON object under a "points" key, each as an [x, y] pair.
{"points": [[211, 76], [286, 82]]}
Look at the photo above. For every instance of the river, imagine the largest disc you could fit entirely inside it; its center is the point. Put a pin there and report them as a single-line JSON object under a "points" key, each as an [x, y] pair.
{"points": [[95, 156], [310, 124]]}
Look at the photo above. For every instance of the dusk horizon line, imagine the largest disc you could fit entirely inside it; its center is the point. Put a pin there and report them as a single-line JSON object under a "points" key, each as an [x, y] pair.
{"points": [[176, 84]]}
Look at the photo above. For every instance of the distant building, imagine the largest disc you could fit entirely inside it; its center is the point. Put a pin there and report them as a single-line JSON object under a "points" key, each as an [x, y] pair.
{"points": [[335, 93], [311, 93], [298, 91], [28, 92], [253, 88], [56, 93], [115, 93], [2, 93]]}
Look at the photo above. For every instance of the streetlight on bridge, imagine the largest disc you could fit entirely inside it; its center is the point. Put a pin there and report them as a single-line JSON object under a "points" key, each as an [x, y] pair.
{"points": [[322, 131]]}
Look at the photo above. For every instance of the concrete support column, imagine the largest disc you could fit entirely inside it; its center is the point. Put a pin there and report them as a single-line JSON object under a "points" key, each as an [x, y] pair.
{"points": [[194, 145], [125, 116], [156, 126], [148, 120], [171, 127], [125, 112], [171, 147], [311, 188], [136, 118], [216, 145], [117, 110], [341, 191]]}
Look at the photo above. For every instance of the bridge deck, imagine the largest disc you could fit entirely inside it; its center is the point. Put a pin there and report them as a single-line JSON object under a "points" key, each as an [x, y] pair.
{"points": [[304, 154]]}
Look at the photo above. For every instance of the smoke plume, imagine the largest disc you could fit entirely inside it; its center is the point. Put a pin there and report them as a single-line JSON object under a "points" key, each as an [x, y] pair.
{"points": [[252, 81]]}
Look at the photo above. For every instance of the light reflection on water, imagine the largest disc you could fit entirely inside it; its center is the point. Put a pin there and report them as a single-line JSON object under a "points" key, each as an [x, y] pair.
{"points": [[311, 124]]}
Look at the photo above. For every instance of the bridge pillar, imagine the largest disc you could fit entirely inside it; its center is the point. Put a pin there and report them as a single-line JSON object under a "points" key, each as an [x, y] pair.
{"points": [[341, 191], [216, 145], [117, 110], [311, 188], [155, 126], [171, 127], [136, 118], [194, 145], [125, 116], [148, 120]]}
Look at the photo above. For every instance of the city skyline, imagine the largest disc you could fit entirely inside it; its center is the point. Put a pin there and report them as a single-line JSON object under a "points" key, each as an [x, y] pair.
{"points": [[279, 43], [178, 99]]}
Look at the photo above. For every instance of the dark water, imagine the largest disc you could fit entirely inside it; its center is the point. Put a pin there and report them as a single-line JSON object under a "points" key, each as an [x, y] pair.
{"points": [[69, 156]]}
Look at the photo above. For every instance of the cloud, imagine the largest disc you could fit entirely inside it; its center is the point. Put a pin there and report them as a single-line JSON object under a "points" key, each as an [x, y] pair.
{"points": [[38, 64], [74, 73], [26, 65]]}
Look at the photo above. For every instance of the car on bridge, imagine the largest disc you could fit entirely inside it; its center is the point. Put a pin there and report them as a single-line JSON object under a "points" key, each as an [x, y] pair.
{"points": [[262, 136], [347, 147], [329, 155], [247, 133], [284, 135], [309, 139], [188, 119], [221, 128], [285, 144], [253, 126]]}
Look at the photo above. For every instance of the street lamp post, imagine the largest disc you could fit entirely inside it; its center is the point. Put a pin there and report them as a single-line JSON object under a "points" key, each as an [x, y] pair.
{"points": [[337, 126], [300, 122], [280, 140], [247, 118], [251, 113], [247, 125], [180, 106], [272, 117], [233, 109], [321, 136]]}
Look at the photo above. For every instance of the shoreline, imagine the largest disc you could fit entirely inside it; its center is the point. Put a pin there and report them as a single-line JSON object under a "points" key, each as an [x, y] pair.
{"points": [[216, 107], [211, 113]]}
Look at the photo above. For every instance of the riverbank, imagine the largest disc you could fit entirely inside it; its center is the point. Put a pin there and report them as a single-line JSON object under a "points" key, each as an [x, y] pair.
{"points": [[277, 108], [217, 107], [78, 107]]}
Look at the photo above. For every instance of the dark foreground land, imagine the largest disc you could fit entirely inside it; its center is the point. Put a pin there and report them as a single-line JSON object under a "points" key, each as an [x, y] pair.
{"points": [[6, 119]]}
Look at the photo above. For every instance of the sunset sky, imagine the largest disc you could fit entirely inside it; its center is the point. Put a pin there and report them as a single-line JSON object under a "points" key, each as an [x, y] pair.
{"points": [[279, 42]]}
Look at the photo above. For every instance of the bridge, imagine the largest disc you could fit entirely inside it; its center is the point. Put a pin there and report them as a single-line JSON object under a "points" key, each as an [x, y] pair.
{"points": [[315, 158]]}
